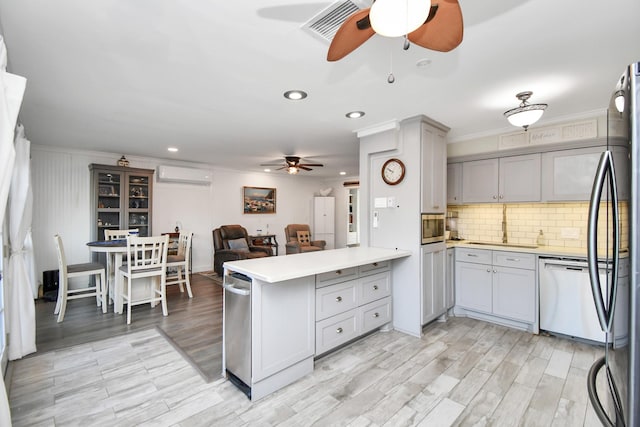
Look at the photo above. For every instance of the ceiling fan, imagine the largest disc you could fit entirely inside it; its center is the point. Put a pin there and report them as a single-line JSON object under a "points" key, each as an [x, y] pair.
{"points": [[442, 30], [292, 165]]}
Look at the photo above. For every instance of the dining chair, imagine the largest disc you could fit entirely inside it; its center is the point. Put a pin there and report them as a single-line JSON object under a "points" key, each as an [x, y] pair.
{"points": [[180, 262], [68, 271], [147, 259], [119, 234]]}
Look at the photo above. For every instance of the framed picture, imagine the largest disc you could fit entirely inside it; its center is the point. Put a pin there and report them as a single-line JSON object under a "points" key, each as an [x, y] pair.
{"points": [[259, 200]]}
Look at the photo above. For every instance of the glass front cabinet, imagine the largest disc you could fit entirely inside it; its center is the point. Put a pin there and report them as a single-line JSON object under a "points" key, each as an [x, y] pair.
{"points": [[121, 199]]}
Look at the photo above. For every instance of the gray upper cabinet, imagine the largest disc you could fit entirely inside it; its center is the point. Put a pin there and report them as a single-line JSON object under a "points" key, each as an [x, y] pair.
{"points": [[434, 161], [520, 178], [507, 179], [480, 181], [567, 175], [454, 183]]}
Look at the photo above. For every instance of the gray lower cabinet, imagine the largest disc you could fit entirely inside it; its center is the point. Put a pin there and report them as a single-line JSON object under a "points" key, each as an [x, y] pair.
{"points": [[434, 302], [449, 278], [350, 303], [497, 285]]}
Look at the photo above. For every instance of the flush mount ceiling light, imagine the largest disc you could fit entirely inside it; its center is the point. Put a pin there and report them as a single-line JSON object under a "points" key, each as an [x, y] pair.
{"points": [[393, 18], [172, 149], [354, 114], [295, 95], [526, 114]]}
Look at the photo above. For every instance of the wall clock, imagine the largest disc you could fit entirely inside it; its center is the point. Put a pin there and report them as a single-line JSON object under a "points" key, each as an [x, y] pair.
{"points": [[393, 171]]}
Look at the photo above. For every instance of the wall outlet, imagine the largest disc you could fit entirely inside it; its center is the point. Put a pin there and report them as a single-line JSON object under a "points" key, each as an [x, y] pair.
{"points": [[570, 233]]}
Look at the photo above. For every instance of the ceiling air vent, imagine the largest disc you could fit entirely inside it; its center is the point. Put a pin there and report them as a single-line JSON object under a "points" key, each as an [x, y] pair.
{"points": [[325, 24]]}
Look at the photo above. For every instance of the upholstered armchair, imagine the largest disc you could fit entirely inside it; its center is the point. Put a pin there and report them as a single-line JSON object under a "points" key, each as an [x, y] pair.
{"points": [[299, 239], [231, 243]]}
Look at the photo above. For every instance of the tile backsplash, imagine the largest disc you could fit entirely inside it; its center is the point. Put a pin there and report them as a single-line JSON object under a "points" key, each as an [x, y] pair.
{"points": [[563, 224]]}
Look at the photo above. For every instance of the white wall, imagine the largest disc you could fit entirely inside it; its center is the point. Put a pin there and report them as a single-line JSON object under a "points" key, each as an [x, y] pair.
{"points": [[61, 188]]}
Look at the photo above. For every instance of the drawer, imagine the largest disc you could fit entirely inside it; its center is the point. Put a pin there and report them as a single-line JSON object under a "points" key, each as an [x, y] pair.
{"points": [[514, 259], [374, 267], [375, 314], [336, 330], [334, 299], [479, 256], [336, 276], [375, 287]]}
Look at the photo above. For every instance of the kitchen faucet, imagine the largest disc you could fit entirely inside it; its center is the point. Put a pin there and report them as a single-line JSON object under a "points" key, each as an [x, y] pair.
{"points": [[504, 223]]}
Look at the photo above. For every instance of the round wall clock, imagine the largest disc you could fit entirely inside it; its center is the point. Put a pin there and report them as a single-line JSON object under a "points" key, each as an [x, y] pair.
{"points": [[393, 171]]}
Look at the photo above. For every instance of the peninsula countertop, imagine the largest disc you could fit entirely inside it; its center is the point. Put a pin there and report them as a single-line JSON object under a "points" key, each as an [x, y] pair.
{"points": [[279, 268]]}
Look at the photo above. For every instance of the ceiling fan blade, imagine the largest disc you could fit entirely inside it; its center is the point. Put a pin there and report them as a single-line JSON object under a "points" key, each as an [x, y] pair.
{"points": [[444, 31], [303, 167], [318, 165], [353, 32]]}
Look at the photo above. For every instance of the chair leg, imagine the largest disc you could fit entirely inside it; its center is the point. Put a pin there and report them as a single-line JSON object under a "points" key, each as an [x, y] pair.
{"points": [[103, 291], [163, 296], [187, 281], [179, 275], [63, 307], [128, 300]]}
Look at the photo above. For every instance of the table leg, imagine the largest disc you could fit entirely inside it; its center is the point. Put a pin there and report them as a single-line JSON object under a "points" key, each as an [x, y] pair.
{"points": [[117, 294]]}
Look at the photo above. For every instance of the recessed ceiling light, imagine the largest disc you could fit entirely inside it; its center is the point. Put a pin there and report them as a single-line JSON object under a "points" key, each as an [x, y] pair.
{"points": [[267, 170], [172, 149], [423, 63], [343, 173], [354, 114], [295, 95]]}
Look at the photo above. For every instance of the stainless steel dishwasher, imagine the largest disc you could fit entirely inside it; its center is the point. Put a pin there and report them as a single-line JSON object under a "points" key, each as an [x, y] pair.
{"points": [[566, 299], [237, 330]]}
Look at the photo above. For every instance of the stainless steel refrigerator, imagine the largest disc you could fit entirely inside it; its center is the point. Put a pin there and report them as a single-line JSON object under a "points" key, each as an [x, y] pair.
{"points": [[614, 380]]}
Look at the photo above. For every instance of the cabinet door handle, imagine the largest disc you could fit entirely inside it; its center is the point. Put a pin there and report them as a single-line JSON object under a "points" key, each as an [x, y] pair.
{"points": [[495, 271], [338, 271], [376, 315], [502, 196], [513, 259], [495, 197], [339, 331], [338, 299], [488, 270], [375, 287], [375, 264], [473, 255], [436, 207]]}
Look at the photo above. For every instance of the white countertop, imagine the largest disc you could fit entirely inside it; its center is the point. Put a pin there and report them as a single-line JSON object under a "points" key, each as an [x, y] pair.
{"points": [[552, 251], [279, 268]]}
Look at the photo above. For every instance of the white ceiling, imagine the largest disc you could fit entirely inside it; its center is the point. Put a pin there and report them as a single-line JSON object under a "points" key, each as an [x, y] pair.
{"points": [[135, 77]]}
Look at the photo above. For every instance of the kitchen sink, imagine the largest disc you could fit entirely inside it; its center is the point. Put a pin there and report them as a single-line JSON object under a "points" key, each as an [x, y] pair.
{"points": [[512, 245]]}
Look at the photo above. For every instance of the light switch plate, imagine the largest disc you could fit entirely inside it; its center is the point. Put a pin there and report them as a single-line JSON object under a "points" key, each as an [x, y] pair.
{"points": [[380, 202]]}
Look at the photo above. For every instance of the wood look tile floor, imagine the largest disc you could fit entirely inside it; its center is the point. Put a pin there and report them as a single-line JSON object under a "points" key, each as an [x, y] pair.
{"points": [[460, 373]]}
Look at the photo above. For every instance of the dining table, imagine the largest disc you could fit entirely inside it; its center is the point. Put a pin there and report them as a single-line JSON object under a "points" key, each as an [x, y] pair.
{"points": [[114, 249]]}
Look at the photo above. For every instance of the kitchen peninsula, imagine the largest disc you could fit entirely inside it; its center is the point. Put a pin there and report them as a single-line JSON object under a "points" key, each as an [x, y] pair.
{"points": [[281, 312]]}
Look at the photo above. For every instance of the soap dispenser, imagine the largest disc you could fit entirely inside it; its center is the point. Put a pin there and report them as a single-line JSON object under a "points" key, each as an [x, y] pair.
{"points": [[540, 240]]}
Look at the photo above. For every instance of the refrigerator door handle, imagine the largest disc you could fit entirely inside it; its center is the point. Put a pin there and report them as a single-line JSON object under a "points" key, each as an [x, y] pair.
{"points": [[605, 172]]}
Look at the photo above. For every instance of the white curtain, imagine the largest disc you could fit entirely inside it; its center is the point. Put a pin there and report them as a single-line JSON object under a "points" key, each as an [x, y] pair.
{"points": [[11, 93], [20, 305]]}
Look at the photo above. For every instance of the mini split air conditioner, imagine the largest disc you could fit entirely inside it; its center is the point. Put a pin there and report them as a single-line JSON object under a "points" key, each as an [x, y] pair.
{"points": [[184, 175]]}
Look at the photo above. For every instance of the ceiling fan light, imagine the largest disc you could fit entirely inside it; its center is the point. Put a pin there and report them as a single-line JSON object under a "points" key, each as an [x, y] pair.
{"points": [[292, 170], [393, 18]]}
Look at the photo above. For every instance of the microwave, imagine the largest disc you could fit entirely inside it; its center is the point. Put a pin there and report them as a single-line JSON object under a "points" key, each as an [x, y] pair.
{"points": [[433, 225]]}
